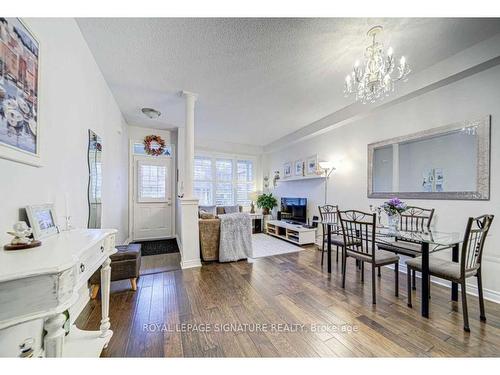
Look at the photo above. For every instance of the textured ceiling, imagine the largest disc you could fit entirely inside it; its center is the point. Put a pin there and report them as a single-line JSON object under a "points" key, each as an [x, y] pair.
{"points": [[257, 79]]}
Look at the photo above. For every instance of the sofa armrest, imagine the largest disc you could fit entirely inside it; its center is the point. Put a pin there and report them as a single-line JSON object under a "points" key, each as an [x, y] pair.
{"points": [[209, 238]]}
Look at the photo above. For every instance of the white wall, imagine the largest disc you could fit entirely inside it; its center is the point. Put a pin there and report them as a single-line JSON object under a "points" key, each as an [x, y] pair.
{"points": [[467, 99], [137, 133], [73, 98]]}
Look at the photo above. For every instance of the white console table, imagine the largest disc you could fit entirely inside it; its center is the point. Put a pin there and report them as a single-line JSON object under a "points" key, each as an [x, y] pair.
{"points": [[291, 232], [38, 285]]}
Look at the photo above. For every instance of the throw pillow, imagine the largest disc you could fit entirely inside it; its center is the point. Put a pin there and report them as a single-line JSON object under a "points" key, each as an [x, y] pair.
{"points": [[231, 209], [207, 209], [206, 215]]}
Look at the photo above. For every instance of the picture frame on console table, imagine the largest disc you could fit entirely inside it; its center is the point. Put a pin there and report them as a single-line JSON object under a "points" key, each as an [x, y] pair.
{"points": [[19, 91], [42, 220]]}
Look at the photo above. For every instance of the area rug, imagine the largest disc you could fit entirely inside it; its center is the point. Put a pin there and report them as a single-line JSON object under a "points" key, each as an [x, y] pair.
{"points": [[265, 245], [158, 247]]}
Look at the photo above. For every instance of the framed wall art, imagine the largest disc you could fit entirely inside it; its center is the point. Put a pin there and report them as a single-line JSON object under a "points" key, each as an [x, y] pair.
{"points": [[287, 169], [299, 167], [312, 165], [19, 88]]}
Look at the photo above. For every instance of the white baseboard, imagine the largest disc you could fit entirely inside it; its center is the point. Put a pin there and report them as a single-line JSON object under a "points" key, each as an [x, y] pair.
{"points": [[190, 263], [490, 295], [127, 241]]}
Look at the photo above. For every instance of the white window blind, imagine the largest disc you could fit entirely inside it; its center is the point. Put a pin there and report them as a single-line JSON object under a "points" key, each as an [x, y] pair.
{"points": [[203, 180], [244, 181], [224, 194], [223, 181], [152, 182]]}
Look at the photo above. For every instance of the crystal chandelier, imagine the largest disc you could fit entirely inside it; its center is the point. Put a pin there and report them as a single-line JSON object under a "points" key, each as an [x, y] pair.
{"points": [[376, 78]]}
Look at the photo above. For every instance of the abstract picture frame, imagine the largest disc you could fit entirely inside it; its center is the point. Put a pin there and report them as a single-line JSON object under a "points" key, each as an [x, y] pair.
{"points": [[19, 93], [287, 169], [299, 167], [43, 220], [312, 165]]}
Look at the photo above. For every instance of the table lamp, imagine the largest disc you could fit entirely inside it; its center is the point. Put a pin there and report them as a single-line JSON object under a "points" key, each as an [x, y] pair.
{"points": [[253, 197]]}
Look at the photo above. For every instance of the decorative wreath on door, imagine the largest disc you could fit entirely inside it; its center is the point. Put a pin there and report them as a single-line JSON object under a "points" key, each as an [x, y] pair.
{"points": [[154, 145]]}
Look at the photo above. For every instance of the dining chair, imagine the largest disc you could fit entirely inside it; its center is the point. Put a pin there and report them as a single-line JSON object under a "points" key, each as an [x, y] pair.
{"points": [[413, 219], [358, 230], [328, 213], [469, 264]]}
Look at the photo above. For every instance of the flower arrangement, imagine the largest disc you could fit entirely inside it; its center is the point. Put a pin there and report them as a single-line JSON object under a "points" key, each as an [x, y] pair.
{"points": [[394, 206]]}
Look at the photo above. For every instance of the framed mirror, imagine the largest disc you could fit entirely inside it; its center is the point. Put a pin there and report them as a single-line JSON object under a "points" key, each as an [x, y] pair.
{"points": [[449, 162], [95, 179]]}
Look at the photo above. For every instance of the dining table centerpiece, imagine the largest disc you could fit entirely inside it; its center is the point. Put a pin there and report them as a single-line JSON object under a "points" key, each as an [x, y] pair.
{"points": [[394, 208]]}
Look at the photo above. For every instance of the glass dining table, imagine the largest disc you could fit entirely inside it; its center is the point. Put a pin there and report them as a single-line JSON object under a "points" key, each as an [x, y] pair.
{"points": [[429, 241]]}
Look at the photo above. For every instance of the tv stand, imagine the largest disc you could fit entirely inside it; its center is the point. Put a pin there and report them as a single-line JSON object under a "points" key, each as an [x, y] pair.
{"points": [[294, 233]]}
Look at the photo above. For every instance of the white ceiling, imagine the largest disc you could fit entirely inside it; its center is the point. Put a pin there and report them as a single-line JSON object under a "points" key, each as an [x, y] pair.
{"points": [[257, 79]]}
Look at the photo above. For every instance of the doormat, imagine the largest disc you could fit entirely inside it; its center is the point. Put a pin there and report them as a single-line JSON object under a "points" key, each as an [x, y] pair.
{"points": [[158, 247]]}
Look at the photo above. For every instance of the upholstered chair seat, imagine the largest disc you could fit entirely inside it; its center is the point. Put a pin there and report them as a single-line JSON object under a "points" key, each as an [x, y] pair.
{"points": [[441, 267], [382, 257]]}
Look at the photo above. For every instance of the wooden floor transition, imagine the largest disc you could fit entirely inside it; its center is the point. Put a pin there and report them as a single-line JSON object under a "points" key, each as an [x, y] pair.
{"points": [[286, 306]]}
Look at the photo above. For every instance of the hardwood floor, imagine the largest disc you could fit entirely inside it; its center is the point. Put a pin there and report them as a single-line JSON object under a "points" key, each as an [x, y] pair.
{"points": [[286, 289], [160, 263]]}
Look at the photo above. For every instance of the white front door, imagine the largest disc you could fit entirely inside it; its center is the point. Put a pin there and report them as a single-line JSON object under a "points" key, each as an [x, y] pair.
{"points": [[152, 198]]}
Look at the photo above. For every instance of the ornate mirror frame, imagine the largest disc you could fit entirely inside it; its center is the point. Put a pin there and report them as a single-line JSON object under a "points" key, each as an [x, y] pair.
{"points": [[482, 192]]}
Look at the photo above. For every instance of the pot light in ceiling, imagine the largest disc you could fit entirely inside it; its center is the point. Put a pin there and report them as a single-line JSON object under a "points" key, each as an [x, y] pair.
{"points": [[151, 113]]}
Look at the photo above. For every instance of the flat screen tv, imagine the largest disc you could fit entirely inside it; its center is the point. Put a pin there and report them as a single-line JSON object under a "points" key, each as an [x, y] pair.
{"points": [[294, 210]]}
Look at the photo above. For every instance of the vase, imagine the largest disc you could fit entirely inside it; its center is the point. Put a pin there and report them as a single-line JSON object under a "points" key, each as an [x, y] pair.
{"points": [[265, 211], [393, 223]]}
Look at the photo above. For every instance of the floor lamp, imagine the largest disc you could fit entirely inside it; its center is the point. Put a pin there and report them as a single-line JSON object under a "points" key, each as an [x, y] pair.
{"points": [[327, 168]]}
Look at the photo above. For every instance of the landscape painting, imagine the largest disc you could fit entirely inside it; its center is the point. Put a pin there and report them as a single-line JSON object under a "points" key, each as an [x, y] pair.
{"points": [[19, 63]]}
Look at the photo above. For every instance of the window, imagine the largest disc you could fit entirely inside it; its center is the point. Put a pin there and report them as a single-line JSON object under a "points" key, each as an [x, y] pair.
{"points": [[223, 181], [203, 180], [138, 149], [152, 182], [244, 181]]}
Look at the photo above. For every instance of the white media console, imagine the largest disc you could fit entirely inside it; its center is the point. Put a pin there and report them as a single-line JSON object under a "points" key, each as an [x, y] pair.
{"points": [[294, 233]]}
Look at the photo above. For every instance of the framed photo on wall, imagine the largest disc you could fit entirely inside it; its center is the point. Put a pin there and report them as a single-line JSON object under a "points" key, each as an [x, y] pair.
{"points": [[287, 169], [19, 88], [42, 220], [312, 165], [299, 167]]}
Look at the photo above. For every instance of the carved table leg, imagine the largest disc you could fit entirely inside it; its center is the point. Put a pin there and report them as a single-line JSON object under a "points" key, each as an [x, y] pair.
{"points": [[105, 285], [53, 341]]}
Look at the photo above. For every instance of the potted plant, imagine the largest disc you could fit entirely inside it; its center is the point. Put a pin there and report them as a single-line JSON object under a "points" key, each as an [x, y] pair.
{"points": [[267, 202]]}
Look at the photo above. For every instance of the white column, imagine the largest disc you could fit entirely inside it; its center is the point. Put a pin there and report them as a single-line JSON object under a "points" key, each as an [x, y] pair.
{"points": [[189, 144], [189, 246]]}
